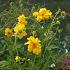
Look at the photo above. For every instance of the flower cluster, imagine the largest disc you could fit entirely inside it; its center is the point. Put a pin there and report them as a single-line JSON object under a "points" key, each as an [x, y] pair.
{"points": [[34, 45], [42, 14], [20, 28], [20, 44]]}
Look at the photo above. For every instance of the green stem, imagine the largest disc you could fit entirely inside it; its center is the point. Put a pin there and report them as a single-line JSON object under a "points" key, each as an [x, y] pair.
{"points": [[51, 28], [49, 43], [15, 44], [33, 62], [15, 40]]}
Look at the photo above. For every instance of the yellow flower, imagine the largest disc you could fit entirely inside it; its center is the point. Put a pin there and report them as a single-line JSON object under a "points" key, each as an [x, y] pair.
{"points": [[42, 14], [45, 13], [8, 32], [21, 34], [30, 48], [17, 58], [22, 20], [37, 50], [35, 14], [19, 27], [39, 18], [34, 45]]}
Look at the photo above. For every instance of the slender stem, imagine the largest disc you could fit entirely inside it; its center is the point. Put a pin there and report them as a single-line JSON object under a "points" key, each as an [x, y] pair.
{"points": [[33, 62], [15, 44], [15, 40], [50, 42], [34, 58]]}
